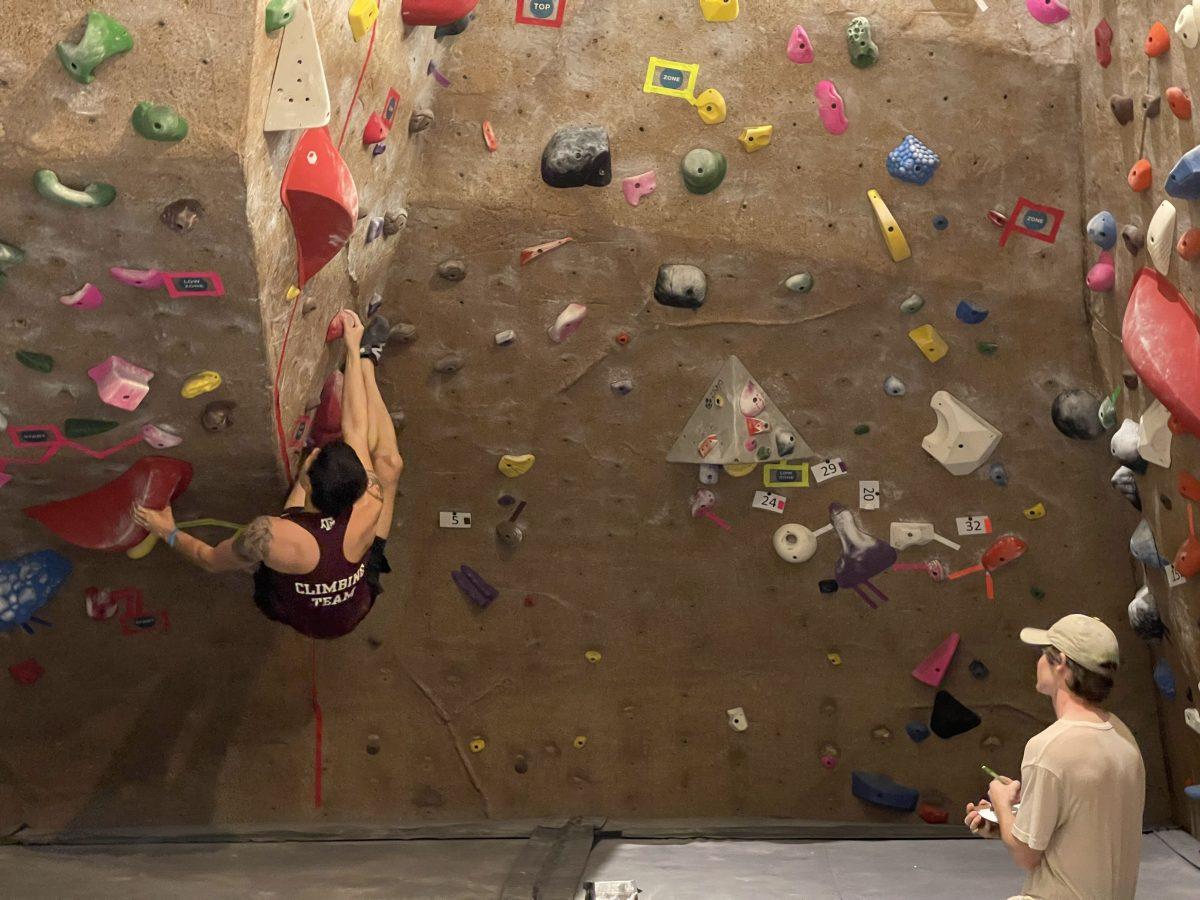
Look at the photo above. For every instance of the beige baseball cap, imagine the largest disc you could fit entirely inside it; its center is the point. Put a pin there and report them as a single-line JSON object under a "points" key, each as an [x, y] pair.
{"points": [[1085, 639]]}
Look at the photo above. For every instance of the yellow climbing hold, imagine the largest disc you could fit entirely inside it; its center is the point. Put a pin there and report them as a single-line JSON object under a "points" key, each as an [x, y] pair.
{"points": [[737, 470], [756, 138], [892, 235], [711, 107], [362, 15], [593, 656], [930, 342], [580, 741], [1035, 512], [477, 744], [293, 292], [719, 10], [200, 383], [513, 466], [835, 658]]}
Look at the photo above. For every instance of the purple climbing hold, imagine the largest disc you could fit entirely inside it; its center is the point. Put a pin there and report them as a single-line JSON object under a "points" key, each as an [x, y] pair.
{"points": [[473, 586], [863, 555], [27, 583]]}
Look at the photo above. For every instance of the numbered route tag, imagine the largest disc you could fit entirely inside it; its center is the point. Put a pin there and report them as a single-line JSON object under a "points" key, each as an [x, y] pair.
{"points": [[829, 468], [785, 474], [541, 12], [449, 519], [1174, 579], [969, 525], [672, 79], [868, 495], [768, 501]]}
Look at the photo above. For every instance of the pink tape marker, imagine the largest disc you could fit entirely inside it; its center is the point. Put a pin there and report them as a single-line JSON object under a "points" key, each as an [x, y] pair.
{"points": [[636, 187], [1048, 12], [121, 383], [799, 46], [831, 108], [87, 297]]}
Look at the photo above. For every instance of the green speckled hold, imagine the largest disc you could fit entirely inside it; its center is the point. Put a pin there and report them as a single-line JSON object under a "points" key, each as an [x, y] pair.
{"points": [[863, 52], [81, 428], [93, 196], [279, 13], [10, 254], [912, 304], [801, 284], [703, 170], [862, 429], [987, 348], [39, 362], [159, 122], [103, 37], [1037, 593]]}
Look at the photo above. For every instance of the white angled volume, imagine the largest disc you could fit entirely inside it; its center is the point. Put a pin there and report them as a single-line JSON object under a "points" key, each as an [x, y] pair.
{"points": [[299, 97]]}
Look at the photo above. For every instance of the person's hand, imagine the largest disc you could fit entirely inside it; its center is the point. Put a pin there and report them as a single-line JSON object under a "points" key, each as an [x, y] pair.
{"points": [[352, 330], [160, 522], [977, 823], [1004, 792]]}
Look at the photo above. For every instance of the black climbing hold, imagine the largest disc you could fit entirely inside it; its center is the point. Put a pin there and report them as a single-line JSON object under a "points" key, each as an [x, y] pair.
{"points": [[1076, 413], [828, 586], [80, 428], [918, 731], [1037, 593], [458, 26], [882, 791], [862, 429], [941, 223], [39, 362], [576, 156], [181, 215], [1144, 618], [950, 717], [682, 286], [978, 669]]}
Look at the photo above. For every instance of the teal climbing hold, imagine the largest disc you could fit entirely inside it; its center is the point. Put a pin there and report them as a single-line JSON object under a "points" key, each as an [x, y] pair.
{"points": [[159, 122], [103, 37], [279, 13], [703, 170], [987, 348], [93, 196], [863, 52], [39, 362], [81, 428]]}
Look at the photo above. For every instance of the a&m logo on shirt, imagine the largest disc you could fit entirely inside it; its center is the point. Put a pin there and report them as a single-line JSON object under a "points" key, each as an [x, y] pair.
{"points": [[327, 524]]}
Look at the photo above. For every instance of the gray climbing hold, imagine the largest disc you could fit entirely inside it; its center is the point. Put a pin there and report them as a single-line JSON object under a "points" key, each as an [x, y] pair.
{"points": [[1151, 105], [448, 364], [1125, 481], [1143, 616], [893, 386], [420, 120], [181, 215], [374, 228], [510, 534], [1076, 413], [863, 52], [394, 222], [403, 332], [998, 474], [622, 386], [453, 270], [577, 155], [1122, 108], [703, 170], [1133, 238], [218, 415], [1144, 548], [801, 284], [912, 304], [1102, 230], [681, 286], [458, 26]]}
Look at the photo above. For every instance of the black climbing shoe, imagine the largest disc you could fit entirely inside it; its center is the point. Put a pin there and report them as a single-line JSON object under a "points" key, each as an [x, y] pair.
{"points": [[374, 339]]}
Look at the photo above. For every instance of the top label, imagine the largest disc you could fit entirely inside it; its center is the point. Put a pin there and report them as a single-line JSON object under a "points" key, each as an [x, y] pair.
{"points": [[548, 13]]}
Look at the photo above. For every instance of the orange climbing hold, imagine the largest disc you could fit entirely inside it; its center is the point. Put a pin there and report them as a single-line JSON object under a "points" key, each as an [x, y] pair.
{"points": [[489, 137], [319, 194], [1189, 486], [1180, 103], [1189, 245], [1158, 41], [532, 253], [1140, 175]]}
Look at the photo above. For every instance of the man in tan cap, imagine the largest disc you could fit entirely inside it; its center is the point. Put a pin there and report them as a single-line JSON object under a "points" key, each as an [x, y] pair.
{"points": [[1083, 785]]}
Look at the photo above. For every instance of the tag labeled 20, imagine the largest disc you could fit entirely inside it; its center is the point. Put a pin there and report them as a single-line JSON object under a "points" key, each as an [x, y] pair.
{"points": [[827, 468], [768, 501], [868, 495], [1173, 577], [449, 519], [969, 525]]}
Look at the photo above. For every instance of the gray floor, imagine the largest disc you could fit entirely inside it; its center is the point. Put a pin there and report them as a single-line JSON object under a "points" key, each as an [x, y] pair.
{"points": [[475, 869]]}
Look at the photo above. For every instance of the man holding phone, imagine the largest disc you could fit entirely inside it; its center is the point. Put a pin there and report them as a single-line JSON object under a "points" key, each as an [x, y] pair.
{"points": [[1083, 784]]}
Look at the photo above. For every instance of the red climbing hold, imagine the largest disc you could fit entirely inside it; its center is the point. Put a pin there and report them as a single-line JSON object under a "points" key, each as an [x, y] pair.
{"points": [[1161, 337], [335, 330], [319, 194], [1189, 486], [934, 815], [102, 519], [933, 668], [1104, 38], [27, 671], [435, 12], [1180, 103], [327, 420]]}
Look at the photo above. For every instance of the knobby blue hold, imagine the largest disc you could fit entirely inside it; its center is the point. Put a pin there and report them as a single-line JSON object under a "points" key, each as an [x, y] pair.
{"points": [[27, 583], [1184, 180], [1165, 679], [1102, 230], [912, 161], [972, 315]]}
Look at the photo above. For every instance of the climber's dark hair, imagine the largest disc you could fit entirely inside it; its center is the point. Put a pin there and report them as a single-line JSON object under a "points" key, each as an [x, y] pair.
{"points": [[338, 478]]}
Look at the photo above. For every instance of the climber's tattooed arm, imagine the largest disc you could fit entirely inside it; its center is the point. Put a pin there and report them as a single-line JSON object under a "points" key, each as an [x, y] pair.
{"points": [[373, 487], [254, 542]]}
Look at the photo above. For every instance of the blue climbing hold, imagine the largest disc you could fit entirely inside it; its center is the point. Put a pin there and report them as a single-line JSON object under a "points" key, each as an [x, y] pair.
{"points": [[918, 731], [941, 223], [1184, 180], [912, 161], [882, 791], [1102, 230], [27, 583], [972, 315], [1165, 679]]}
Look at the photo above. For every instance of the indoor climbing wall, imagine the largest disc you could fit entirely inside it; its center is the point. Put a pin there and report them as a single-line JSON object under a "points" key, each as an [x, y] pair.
{"points": [[1157, 89], [724, 354]]}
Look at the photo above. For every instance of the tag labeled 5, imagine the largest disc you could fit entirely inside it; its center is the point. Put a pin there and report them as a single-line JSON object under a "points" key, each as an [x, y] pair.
{"points": [[448, 519], [768, 501], [969, 525]]}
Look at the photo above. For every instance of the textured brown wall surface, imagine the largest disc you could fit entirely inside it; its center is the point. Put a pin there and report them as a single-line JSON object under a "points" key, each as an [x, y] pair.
{"points": [[213, 724]]}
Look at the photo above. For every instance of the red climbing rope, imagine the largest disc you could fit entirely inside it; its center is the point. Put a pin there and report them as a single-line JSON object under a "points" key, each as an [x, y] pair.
{"points": [[361, 73], [320, 723]]}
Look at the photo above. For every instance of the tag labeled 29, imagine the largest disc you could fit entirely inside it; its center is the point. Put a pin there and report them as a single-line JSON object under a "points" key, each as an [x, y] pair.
{"points": [[868, 495], [449, 519], [768, 501], [969, 525], [827, 468]]}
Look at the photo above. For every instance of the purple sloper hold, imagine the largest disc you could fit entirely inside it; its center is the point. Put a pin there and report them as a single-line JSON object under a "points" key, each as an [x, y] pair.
{"points": [[376, 149], [863, 556], [468, 589], [480, 585], [438, 76]]}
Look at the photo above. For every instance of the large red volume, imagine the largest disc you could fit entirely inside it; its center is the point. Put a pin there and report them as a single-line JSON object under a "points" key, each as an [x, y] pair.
{"points": [[1161, 337], [102, 519], [435, 12], [319, 194]]}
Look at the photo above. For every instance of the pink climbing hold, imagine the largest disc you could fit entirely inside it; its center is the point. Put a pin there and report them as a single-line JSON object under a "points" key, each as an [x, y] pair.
{"points": [[121, 383], [635, 187], [87, 297], [434, 12], [1102, 276], [932, 669], [799, 49], [335, 330], [159, 437], [147, 279], [568, 322], [1104, 39], [831, 108], [1048, 12]]}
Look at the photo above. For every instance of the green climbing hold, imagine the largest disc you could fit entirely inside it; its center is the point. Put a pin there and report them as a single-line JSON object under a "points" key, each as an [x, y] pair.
{"points": [[159, 122], [279, 13], [1037, 593], [987, 348], [93, 196], [862, 429], [103, 37], [39, 362], [863, 52], [703, 170], [912, 304], [81, 428], [801, 284], [10, 255]]}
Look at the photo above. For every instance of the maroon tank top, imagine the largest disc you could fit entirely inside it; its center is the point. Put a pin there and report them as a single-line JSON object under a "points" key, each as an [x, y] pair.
{"points": [[334, 597]]}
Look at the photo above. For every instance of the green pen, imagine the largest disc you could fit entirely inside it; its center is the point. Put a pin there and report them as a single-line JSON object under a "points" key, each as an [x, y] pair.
{"points": [[990, 772]]}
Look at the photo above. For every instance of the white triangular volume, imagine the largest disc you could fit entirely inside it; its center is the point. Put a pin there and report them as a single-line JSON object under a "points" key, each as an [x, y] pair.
{"points": [[299, 97], [736, 422]]}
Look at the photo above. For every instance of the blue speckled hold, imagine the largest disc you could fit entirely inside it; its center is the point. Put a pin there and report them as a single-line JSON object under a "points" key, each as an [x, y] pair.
{"points": [[912, 161], [27, 583], [1184, 180], [1102, 230], [941, 223], [918, 731], [972, 315]]}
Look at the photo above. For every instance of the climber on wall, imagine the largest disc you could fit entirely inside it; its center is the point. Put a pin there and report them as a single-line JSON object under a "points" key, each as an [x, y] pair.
{"points": [[319, 563]]}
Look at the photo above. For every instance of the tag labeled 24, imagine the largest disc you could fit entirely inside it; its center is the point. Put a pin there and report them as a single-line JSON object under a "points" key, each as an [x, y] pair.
{"points": [[969, 525], [768, 501]]}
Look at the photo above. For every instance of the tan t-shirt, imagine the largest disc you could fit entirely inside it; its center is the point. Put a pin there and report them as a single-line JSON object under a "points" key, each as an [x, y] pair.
{"points": [[1083, 788]]}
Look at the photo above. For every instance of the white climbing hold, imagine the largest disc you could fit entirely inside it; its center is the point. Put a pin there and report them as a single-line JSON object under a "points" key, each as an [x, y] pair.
{"points": [[1155, 443], [1185, 26], [962, 440], [568, 322], [1160, 236], [299, 96]]}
